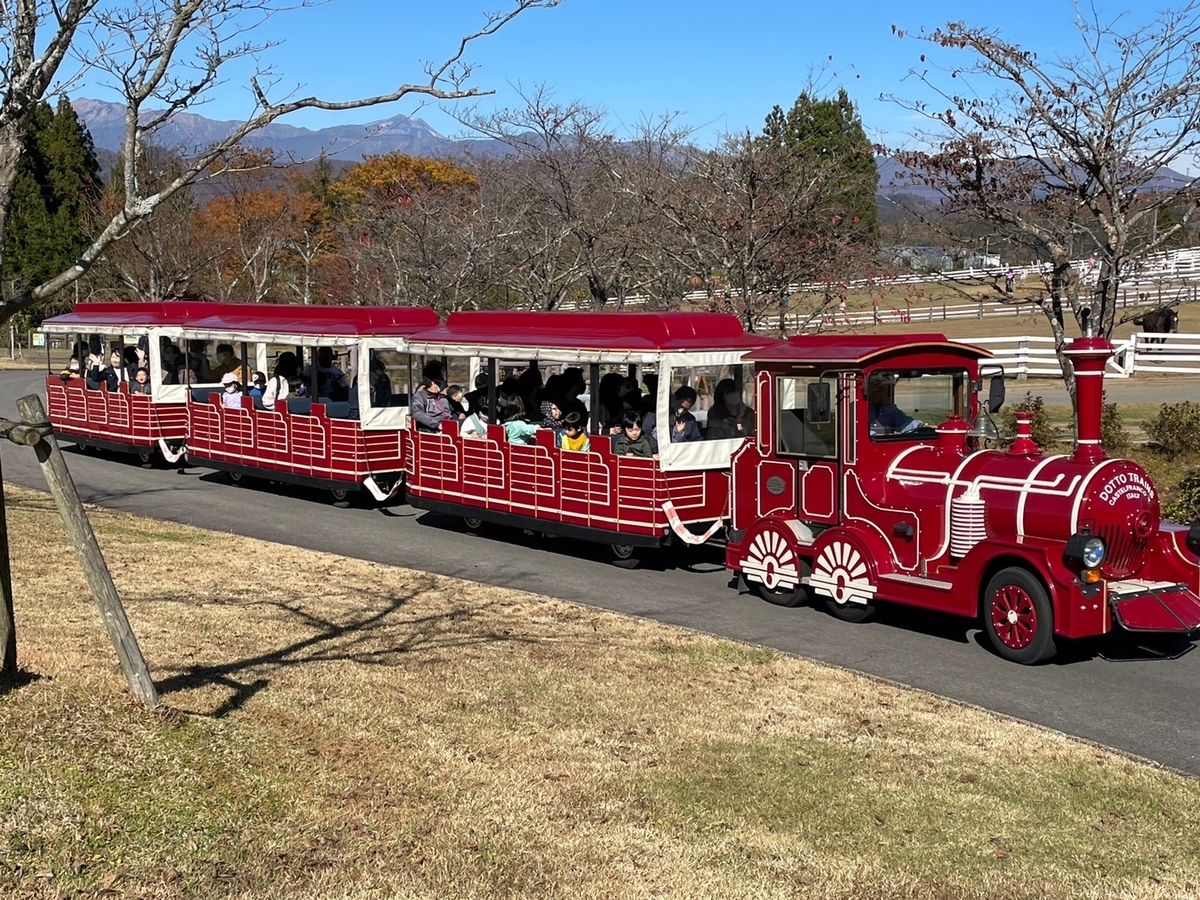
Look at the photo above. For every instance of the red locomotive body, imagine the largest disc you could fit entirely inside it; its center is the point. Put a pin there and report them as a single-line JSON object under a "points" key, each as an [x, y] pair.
{"points": [[861, 487]]}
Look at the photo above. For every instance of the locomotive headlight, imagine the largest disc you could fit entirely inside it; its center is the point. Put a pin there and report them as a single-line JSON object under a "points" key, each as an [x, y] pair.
{"points": [[1084, 551]]}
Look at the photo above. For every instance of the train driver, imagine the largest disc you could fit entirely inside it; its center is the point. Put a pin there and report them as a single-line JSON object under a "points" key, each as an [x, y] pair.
{"points": [[885, 416]]}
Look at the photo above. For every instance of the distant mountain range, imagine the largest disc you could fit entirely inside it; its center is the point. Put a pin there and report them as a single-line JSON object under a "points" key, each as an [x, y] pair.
{"points": [[187, 132]]}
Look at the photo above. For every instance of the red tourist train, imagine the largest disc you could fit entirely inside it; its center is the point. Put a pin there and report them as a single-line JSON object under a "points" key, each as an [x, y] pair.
{"points": [[858, 479]]}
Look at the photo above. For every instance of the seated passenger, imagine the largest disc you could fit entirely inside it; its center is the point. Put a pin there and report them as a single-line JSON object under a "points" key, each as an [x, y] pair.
{"points": [[729, 416], [72, 370], [631, 441], [170, 362], [95, 368], [197, 362], [477, 400], [429, 406], [473, 426], [458, 409], [227, 361], [279, 386], [258, 385], [572, 437], [684, 427], [552, 416], [331, 380], [116, 365], [516, 429], [141, 382], [131, 361], [381, 384], [884, 416], [231, 396]]}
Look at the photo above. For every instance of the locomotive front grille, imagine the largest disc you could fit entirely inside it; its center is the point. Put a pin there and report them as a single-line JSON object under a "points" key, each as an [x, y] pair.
{"points": [[1125, 550]]}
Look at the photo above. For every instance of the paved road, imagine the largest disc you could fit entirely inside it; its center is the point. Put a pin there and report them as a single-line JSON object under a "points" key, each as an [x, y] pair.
{"points": [[1141, 705]]}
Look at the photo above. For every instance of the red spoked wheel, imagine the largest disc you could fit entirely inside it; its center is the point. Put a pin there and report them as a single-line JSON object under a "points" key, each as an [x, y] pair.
{"points": [[1018, 618]]}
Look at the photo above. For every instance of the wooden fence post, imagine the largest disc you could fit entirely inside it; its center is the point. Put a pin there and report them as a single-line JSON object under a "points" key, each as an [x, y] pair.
{"points": [[70, 507], [8, 622]]}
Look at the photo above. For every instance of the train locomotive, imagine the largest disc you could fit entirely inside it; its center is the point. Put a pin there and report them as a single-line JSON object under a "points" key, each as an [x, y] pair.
{"points": [[863, 485]]}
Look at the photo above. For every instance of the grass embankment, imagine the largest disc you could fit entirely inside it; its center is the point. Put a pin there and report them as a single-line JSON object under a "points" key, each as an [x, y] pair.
{"points": [[345, 729]]}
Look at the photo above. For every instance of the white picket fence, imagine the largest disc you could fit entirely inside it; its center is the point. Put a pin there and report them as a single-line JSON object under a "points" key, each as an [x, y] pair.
{"points": [[1141, 354], [1172, 276]]}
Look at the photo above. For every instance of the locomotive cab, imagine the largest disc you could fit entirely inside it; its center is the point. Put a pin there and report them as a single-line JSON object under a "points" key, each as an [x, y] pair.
{"points": [[863, 485]]}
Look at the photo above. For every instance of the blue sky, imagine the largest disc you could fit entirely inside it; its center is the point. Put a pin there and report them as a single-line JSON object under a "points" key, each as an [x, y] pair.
{"points": [[720, 65]]}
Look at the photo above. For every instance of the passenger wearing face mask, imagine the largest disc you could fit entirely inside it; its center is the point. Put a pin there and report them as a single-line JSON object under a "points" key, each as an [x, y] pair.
{"points": [[227, 361], [231, 396]]}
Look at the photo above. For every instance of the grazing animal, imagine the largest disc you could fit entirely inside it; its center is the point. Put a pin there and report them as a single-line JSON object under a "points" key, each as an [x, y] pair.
{"points": [[1163, 320]]}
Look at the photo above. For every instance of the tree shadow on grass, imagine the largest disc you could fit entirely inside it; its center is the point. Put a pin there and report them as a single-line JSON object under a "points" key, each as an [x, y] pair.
{"points": [[370, 634]]}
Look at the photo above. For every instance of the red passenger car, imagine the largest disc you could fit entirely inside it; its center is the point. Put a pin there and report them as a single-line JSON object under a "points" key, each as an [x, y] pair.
{"points": [[342, 434], [861, 486], [118, 420], [620, 500]]}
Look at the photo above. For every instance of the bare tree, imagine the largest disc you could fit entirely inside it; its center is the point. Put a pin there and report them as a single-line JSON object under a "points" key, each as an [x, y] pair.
{"points": [[1064, 151], [756, 218], [158, 263], [164, 56], [559, 190]]}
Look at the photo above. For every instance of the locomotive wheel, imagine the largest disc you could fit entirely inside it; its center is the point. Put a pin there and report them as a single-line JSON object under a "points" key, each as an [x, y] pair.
{"points": [[1017, 617], [850, 612], [781, 596]]}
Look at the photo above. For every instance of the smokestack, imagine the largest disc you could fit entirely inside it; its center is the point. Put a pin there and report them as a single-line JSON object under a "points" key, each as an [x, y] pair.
{"points": [[1088, 354]]}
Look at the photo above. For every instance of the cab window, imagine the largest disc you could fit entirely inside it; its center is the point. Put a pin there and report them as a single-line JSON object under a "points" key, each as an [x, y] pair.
{"points": [[803, 430], [907, 405]]}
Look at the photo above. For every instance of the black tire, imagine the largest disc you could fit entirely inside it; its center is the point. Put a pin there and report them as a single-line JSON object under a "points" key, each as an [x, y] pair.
{"points": [[850, 612], [146, 458], [472, 524], [622, 552], [1018, 618], [789, 597], [236, 478], [339, 495]]}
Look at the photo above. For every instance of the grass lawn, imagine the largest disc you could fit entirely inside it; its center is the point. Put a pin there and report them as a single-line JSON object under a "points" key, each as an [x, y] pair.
{"points": [[345, 729]]}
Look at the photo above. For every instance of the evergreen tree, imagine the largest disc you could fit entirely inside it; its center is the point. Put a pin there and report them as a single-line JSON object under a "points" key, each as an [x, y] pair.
{"points": [[821, 134], [58, 182]]}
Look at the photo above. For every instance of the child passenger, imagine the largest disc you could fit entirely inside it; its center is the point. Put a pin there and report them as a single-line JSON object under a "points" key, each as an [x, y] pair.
{"points": [[573, 437], [231, 398], [141, 382], [516, 429], [458, 409], [632, 442]]}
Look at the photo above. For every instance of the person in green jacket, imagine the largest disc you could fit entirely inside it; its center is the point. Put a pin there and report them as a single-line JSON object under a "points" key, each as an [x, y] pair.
{"points": [[631, 441], [516, 429]]}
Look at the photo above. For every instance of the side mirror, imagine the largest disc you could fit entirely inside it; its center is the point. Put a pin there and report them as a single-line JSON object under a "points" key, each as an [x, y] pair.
{"points": [[996, 394], [820, 405]]}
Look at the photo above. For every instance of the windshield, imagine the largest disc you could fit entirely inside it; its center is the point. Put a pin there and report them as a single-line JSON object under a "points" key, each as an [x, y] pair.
{"points": [[901, 403]]}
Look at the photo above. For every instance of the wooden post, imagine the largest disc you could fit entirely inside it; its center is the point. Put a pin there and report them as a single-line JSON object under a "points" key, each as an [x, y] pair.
{"points": [[8, 622], [116, 623]]}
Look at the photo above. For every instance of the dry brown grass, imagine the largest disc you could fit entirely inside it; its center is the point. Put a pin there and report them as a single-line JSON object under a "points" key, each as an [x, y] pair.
{"points": [[348, 730]]}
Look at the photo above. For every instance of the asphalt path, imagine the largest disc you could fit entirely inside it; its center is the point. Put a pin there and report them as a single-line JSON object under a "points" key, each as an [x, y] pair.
{"points": [[1109, 691]]}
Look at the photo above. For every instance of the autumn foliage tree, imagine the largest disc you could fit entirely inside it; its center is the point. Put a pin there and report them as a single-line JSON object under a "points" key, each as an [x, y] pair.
{"points": [[406, 224]]}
